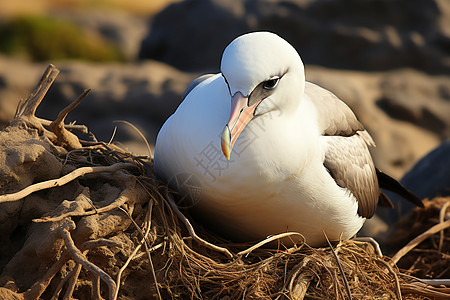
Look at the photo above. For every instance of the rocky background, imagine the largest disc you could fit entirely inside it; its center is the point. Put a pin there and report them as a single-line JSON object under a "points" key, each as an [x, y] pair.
{"points": [[388, 60]]}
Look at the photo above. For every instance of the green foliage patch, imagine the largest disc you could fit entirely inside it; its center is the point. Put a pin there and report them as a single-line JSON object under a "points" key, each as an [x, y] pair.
{"points": [[41, 38]]}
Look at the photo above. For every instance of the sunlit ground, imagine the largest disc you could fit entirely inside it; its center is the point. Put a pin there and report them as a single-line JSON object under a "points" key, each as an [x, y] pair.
{"points": [[139, 7]]}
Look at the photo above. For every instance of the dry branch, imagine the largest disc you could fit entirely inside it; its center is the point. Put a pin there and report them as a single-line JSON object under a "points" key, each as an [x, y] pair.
{"points": [[425, 292], [123, 198], [142, 242], [442, 213], [139, 133], [152, 268], [78, 257], [64, 137], [26, 112], [433, 230], [63, 180], [397, 283], [40, 91], [437, 282], [80, 128], [371, 240], [268, 240]]}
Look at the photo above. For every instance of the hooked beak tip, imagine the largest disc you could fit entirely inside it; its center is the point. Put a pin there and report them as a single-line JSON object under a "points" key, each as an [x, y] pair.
{"points": [[226, 142]]}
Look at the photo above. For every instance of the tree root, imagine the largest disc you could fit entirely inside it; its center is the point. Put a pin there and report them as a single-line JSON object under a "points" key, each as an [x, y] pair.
{"points": [[79, 258], [39, 287], [73, 275], [75, 127], [65, 138], [26, 111], [72, 279], [62, 181], [122, 199]]}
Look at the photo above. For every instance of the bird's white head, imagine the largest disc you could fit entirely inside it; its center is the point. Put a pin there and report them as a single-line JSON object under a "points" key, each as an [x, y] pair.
{"points": [[264, 73]]}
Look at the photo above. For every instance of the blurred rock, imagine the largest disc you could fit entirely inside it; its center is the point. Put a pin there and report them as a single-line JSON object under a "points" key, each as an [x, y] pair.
{"points": [[414, 97], [355, 34], [199, 30], [430, 177], [17, 79], [122, 29]]}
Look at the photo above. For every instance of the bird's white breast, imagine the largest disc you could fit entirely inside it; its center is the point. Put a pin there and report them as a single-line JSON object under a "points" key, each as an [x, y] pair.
{"points": [[274, 181]]}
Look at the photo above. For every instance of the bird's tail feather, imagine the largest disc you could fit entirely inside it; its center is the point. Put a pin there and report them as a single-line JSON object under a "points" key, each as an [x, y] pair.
{"points": [[387, 182]]}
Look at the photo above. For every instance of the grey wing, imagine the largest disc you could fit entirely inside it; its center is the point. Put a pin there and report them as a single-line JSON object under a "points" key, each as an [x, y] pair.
{"points": [[194, 83], [342, 122], [347, 157], [349, 162]]}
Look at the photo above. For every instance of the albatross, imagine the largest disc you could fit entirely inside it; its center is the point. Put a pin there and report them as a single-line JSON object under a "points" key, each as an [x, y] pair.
{"points": [[261, 151]]}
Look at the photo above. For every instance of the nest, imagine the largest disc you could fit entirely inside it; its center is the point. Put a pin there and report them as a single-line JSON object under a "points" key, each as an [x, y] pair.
{"points": [[93, 221]]}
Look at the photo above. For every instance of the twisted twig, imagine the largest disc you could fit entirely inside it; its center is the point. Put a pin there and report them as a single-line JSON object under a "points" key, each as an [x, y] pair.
{"points": [[416, 241], [192, 231], [79, 258], [64, 137], [62, 180]]}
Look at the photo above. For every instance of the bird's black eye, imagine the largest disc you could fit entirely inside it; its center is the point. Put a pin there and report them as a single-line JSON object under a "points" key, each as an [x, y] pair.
{"points": [[271, 83]]}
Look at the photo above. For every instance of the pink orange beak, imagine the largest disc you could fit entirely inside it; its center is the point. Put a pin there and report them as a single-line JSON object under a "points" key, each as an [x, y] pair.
{"points": [[240, 115]]}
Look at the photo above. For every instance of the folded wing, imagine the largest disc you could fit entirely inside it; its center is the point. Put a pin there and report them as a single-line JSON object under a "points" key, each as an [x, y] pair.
{"points": [[347, 157]]}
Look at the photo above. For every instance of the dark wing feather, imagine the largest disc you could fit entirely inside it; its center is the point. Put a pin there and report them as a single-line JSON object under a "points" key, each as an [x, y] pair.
{"points": [[390, 184], [384, 200]]}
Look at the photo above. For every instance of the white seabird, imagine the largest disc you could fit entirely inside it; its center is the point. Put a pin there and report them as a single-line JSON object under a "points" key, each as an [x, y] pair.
{"points": [[294, 157]]}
